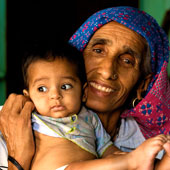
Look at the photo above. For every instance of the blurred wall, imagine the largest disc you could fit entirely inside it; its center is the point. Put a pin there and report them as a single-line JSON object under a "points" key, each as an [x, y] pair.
{"points": [[157, 9], [32, 21], [2, 51]]}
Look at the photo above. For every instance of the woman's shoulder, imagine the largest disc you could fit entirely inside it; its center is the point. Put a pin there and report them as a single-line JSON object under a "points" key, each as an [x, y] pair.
{"points": [[129, 136]]}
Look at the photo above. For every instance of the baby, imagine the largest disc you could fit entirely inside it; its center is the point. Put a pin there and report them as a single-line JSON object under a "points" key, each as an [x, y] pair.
{"points": [[68, 135]]}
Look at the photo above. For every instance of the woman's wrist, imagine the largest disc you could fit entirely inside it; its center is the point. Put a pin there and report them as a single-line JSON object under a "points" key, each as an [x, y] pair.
{"points": [[23, 163], [14, 162]]}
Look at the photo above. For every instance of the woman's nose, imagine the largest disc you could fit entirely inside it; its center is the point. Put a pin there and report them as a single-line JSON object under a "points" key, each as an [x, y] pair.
{"points": [[107, 69]]}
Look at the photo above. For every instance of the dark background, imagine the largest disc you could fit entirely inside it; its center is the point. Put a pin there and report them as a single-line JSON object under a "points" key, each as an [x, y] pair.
{"points": [[34, 21]]}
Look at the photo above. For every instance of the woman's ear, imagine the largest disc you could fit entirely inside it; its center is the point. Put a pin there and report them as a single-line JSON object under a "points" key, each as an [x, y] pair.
{"points": [[84, 97], [25, 92], [143, 86]]}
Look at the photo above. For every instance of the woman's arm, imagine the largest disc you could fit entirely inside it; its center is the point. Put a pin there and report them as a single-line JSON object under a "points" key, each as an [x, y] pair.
{"points": [[113, 158], [116, 162], [142, 157], [15, 125]]}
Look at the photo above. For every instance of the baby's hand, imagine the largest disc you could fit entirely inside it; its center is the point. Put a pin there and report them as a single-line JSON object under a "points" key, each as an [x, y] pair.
{"points": [[156, 143], [144, 155], [166, 146], [165, 162]]}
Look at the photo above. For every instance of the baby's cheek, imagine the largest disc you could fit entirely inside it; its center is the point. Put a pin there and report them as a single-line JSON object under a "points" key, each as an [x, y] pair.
{"points": [[39, 105]]}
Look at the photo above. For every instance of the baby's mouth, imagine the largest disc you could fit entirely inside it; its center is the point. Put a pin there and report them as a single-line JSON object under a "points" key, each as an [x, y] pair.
{"points": [[57, 108]]}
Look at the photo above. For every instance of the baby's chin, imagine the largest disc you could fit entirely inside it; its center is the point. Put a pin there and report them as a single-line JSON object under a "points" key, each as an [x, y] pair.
{"points": [[56, 114]]}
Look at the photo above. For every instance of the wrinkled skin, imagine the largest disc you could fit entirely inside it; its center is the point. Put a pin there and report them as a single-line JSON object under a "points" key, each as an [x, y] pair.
{"points": [[112, 50], [15, 125]]}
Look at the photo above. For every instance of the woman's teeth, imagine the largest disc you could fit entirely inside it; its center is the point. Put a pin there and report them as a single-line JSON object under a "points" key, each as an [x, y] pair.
{"points": [[101, 88]]}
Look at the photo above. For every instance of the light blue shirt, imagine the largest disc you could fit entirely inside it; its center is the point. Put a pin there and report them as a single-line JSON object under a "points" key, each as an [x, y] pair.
{"points": [[129, 137], [84, 129]]}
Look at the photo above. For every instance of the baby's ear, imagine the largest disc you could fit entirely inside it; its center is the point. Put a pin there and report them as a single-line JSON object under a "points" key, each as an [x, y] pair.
{"points": [[25, 92]]}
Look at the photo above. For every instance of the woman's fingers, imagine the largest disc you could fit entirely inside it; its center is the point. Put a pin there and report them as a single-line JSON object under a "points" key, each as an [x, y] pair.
{"points": [[18, 102], [15, 125], [11, 110]]}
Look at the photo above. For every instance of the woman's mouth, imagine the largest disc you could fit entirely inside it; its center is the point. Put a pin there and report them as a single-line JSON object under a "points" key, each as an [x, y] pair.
{"points": [[101, 88]]}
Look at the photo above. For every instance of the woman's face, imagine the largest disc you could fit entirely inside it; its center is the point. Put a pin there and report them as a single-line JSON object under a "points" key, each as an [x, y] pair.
{"points": [[112, 60]]}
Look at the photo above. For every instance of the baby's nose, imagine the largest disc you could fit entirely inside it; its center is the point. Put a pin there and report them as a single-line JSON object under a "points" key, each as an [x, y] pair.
{"points": [[55, 94]]}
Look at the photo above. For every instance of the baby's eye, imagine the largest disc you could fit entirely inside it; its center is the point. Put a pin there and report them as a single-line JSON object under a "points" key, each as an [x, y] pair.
{"points": [[127, 61], [66, 86], [42, 89]]}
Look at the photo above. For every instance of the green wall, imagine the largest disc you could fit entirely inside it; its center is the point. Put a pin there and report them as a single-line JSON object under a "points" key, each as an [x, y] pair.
{"points": [[157, 9], [2, 51]]}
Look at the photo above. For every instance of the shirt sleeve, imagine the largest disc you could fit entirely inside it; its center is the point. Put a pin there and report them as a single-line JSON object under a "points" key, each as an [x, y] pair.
{"points": [[3, 152], [130, 136], [103, 139]]}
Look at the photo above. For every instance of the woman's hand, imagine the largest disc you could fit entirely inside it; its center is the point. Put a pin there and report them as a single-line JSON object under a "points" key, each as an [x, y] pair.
{"points": [[15, 125]]}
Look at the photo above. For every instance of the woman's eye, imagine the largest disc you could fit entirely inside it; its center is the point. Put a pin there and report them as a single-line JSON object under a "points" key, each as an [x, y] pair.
{"points": [[66, 86], [42, 89], [97, 50], [127, 60]]}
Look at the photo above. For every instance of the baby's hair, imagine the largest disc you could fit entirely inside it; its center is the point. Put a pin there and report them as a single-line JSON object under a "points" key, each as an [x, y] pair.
{"points": [[49, 53]]}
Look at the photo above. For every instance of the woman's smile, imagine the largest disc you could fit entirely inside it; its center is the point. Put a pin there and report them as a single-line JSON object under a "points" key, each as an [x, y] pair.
{"points": [[101, 87]]}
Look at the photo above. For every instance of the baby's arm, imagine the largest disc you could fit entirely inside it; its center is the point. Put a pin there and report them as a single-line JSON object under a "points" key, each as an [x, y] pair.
{"points": [[142, 158], [113, 158], [109, 163]]}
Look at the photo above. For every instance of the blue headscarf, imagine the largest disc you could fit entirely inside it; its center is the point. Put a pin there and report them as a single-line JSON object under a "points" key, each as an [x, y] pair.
{"points": [[150, 118]]}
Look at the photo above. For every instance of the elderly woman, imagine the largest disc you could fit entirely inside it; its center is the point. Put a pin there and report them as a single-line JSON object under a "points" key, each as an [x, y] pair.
{"points": [[126, 55]]}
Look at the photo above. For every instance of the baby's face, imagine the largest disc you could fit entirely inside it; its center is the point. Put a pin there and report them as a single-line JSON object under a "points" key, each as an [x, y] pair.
{"points": [[54, 88]]}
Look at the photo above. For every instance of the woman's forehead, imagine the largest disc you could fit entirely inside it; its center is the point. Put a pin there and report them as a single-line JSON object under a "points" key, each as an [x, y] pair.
{"points": [[113, 28], [112, 33]]}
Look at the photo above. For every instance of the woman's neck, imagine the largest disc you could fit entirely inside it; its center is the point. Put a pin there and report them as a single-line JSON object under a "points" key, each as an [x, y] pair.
{"points": [[111, 122]]}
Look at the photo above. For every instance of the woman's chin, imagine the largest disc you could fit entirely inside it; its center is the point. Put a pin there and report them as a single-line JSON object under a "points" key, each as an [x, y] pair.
{"points": [[98, 107]]}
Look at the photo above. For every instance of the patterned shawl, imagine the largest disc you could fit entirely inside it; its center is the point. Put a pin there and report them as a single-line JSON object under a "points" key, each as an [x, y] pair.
{"points": [[153, 112]]}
